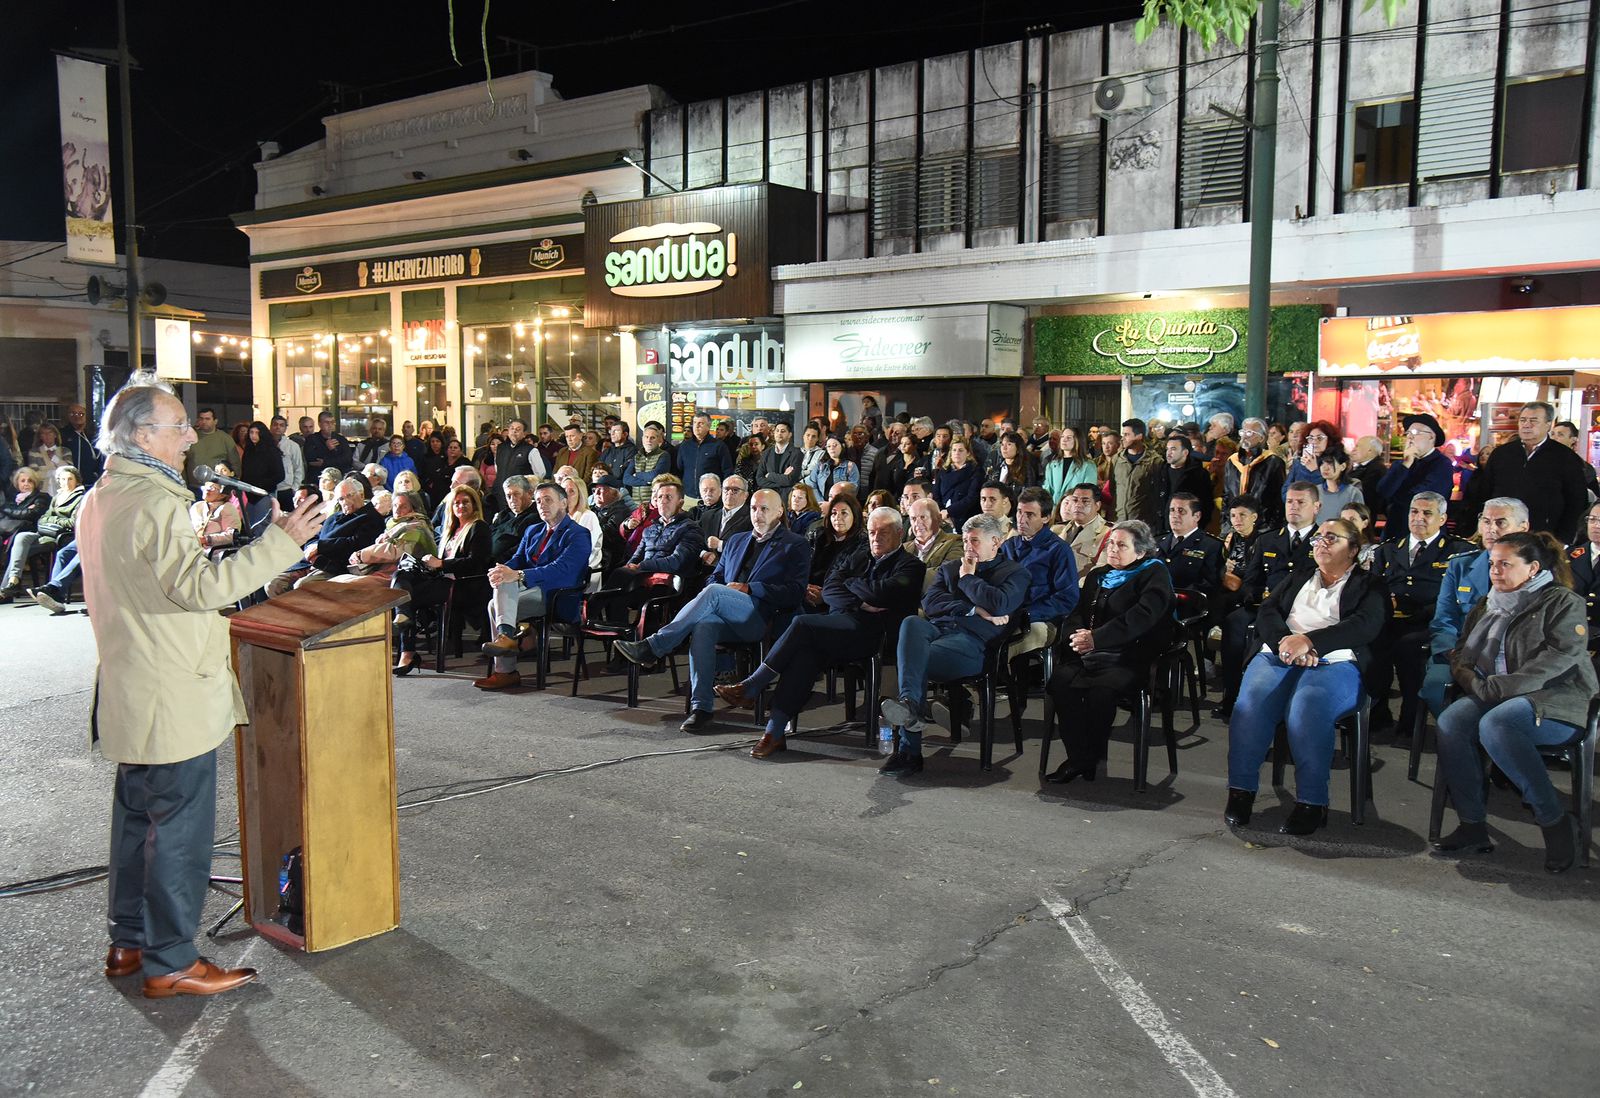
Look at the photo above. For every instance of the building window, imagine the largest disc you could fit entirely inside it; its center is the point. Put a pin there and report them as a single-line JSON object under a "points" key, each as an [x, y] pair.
{"points": [[996, 185], [1543, 123], [504, 365], [1383, 137], [1072, 179], [894, 198], [942, 191], [365, 386], [1213, 163]]}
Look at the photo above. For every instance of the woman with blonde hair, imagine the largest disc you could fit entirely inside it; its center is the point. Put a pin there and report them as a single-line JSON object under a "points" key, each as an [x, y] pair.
{"points": [[578, 508], [462, 556]]}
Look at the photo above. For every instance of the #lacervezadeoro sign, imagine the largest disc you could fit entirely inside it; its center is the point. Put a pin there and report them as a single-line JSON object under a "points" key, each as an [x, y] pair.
{"points": [[487, 262], [694, 255]]}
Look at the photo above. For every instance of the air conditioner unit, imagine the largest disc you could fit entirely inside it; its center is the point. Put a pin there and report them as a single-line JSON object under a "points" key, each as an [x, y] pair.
{"points": [[1115, 95]]}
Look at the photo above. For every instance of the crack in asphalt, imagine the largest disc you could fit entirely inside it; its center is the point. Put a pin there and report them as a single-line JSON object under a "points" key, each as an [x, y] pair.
{"points": [[931, 977], [1119, 877]]}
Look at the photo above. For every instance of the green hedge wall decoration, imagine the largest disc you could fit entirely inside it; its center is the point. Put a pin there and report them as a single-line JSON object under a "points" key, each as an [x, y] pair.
{"points": [[1066, 344]]}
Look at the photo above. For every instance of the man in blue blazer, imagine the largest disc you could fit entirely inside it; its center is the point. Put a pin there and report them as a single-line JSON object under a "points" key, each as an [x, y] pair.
{"points": [[552, 556], [1465, 584], [760, 575]]}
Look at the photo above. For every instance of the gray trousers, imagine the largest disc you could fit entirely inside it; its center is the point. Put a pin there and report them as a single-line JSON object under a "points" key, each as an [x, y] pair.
{"points": [[513, 603], [163, 825]]}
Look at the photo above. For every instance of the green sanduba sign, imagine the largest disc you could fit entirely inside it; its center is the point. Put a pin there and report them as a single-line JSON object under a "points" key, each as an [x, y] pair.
{"points": [[1212, 341]]}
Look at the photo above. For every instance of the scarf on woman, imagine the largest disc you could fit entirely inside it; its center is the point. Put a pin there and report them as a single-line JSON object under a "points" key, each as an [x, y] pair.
{"points": [[1484, 646], [1118, 576]]}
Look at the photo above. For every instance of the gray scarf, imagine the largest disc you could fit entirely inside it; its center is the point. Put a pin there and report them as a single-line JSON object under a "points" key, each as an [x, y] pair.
{"points": [[157, 464], [1488, 636]]}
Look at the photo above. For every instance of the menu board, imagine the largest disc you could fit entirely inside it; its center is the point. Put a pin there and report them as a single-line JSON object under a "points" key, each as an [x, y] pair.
{"points": [[683, 408]]}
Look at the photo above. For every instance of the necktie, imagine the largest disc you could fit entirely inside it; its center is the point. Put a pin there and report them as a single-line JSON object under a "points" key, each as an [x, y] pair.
{"points": [[1416, 547]]}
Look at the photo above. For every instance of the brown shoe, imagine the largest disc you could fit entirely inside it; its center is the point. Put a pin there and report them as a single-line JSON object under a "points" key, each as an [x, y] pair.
{"points": [[769, 745], [123, 961], [500, 680], [733, 693], [502, 645], [200, 978]]}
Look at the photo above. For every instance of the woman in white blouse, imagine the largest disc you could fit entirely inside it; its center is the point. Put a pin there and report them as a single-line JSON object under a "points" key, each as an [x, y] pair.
{"points": [[578, 507], [1316, 630]]}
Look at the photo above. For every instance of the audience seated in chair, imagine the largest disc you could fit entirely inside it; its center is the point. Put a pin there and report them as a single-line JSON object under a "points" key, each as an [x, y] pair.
{"points": [[1086, 530], [967, 609], [553, 556], [1194, 557], [22, 511], [1121, 624], [1316, 629], [53, 528], [1522, 668], [760, 575], [353, 524], [869, 591], [461, 561], [1052, 577], [930, 542], [407, 533], [674, 541], [839, 534]]}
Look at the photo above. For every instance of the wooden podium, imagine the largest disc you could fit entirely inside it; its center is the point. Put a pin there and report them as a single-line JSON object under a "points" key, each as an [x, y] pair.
{"points": [[316, 761]]}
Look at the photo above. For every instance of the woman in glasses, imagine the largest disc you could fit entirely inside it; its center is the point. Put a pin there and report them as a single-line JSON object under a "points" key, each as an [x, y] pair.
{"points": [[1316, 631]]}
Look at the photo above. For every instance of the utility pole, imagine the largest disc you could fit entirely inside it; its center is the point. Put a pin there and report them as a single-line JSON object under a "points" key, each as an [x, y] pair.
{"points": [[1263, 173], [130, 226]]}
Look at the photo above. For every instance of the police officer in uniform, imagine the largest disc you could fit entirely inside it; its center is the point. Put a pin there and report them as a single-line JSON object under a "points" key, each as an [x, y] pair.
{"points": [[1411, 567], [1193, 556], [1584, 556], [1275, 556]]}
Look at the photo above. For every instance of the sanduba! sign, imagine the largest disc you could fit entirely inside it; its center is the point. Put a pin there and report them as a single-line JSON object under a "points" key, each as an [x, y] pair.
{"points": [[684, 259]]}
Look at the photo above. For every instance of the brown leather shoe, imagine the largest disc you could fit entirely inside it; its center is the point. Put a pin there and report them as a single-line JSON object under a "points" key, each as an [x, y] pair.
{"points": [[502, 645], [200, 978], [123, 961], [500, 680], [769, 745], [733, 693]]}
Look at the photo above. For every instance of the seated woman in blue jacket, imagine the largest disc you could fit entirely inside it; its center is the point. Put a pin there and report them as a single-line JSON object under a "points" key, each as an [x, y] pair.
{"points": [[1523, 669], [957, 485], [832, 468], [1316, 630]]}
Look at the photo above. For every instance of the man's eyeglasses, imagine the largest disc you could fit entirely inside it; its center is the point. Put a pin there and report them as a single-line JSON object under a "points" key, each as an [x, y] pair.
{"points": [[184, 426], [732, 490]]}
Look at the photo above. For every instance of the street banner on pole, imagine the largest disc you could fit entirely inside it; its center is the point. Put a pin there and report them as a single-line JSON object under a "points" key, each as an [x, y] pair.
{"points": [[174, 350], [86, 160]]}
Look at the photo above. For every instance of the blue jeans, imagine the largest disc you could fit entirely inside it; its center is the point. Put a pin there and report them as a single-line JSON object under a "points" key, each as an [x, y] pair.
{"points": [[1510, 733], [1308, 700], [715, 615], [1435, 681], [928, 651], [66, 566]]}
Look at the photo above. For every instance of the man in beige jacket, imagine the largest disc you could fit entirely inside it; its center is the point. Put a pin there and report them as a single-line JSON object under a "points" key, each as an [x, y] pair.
{"points": [[165, 695]]}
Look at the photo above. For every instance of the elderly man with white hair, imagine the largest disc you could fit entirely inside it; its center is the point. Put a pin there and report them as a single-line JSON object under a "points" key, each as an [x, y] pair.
{"points": [[869, 591], [165, 693], [967, 608], [353, 525]]}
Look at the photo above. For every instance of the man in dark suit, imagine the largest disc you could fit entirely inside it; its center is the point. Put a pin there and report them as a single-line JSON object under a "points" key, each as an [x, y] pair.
{"points": [[1411, 567], [760, 575], [1584, 556], [1185, 474], [505, 534], [729, 517], [1423, 467], [1193, 556], [1539, 471], [869, 592], [1276, 555]]}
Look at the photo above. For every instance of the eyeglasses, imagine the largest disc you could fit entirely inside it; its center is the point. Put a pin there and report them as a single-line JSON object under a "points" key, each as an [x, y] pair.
{"points": [[184, 426], [732, 490], [1327, 539]]}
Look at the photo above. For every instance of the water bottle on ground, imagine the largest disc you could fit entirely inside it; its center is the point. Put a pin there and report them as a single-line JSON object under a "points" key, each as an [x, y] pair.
{"points": [[885, 738]]}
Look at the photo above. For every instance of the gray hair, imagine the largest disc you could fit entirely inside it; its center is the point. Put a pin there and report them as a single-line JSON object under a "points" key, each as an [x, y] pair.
{"points": [[1432, 497], [359, 485], [1518, 509], [415, 500], [1225, 418], [889, 515], [987, 525], [745, 484], [519, 482], [129, 410], [466, 474], [710, 476], [1260, 425], [373, 467], [924, 422], [1144, 542]]}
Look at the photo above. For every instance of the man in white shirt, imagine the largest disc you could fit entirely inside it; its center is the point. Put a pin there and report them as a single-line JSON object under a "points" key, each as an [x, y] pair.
{"points": [[294, 462]]}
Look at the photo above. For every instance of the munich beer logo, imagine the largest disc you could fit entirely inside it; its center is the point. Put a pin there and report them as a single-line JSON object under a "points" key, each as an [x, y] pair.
{"points": [[688, 258], [308, 281], [547, 255]]}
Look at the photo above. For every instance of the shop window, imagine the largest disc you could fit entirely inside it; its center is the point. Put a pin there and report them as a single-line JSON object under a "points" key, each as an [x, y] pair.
{"points": [[942, 193], [365, 379], [1543, 123], [894, 198], [1382, 141], [996, 185], [511, 368], [305, 377], [1213, 163], [1072, 178]]}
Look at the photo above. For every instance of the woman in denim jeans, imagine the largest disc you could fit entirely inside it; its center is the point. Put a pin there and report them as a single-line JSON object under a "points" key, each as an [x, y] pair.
{"points": [[1525, 679], [1316, 630]]}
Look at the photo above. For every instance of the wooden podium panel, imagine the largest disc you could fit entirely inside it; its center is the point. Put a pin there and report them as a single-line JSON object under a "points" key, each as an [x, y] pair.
{"points": [[316, 761]]}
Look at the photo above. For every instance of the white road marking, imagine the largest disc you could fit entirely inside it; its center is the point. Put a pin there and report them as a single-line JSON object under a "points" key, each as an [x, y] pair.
{"points": [[173, 1078], [1174, 1046]]}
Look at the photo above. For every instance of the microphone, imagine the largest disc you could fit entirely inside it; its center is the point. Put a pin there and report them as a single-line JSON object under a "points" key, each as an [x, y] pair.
{"points": [[203, 473]]}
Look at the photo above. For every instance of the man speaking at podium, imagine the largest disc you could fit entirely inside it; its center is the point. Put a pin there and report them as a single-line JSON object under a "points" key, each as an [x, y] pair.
{"points": [[165, 692]]}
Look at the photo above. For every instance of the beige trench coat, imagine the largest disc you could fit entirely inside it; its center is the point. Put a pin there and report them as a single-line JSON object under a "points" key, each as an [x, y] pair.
{"points": [[165, 690]]}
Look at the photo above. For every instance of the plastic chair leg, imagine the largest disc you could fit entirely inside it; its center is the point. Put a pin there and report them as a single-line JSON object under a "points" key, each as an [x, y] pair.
{"points": [[1141, 743], [1419, 732], [1361, 767], [579, 666], [986, 693]]}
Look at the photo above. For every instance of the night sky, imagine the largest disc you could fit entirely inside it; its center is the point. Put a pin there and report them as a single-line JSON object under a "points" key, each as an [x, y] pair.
{"points": [[209, 87]]}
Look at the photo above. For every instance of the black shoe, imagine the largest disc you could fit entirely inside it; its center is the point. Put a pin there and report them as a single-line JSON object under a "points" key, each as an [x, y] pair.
{"points": [[1561, 844], [1223, 711], [1068, 771], [402, 669], [900, 713], [1241, 802], [696, 720], [1304, 819], [638, 652], [1467, 838], [902, 763]]}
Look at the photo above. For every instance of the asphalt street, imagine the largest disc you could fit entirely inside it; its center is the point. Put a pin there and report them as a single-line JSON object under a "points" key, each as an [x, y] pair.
{"points": [[705, 924]]}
